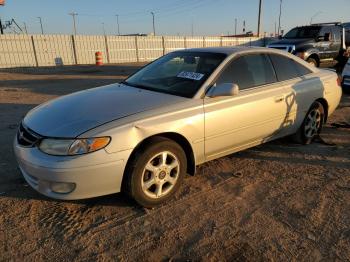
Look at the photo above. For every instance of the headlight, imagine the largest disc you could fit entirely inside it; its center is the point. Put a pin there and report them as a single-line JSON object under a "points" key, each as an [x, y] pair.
{"points": [[302, 55], [70, 147]]}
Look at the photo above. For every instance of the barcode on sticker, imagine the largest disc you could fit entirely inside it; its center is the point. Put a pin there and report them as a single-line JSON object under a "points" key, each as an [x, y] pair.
{"points": [[190, 75]]}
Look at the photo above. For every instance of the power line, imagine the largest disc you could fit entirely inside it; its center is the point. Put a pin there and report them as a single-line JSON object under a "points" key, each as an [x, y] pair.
{"points": [[161, 12], [316, 14]]}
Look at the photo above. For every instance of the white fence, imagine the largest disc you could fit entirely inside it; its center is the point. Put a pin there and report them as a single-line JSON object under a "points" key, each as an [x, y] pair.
{"points": [[51, 50]]}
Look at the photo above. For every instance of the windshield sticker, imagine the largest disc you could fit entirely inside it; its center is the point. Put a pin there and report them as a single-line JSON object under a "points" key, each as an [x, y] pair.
{"points": [[190, 75]]}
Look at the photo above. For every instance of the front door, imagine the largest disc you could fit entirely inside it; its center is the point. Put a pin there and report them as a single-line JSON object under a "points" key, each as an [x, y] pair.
{"points": [[253, 116]]}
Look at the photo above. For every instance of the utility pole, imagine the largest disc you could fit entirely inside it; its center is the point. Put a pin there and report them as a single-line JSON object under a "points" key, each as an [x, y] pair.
{"points": [[118, 30], [192, 27], [1, 29], [73, 14], [41, 25], [259, 18], [154, 28], [235, 26], [243, 26], [279, 19], [103, 28], [25, 27]]}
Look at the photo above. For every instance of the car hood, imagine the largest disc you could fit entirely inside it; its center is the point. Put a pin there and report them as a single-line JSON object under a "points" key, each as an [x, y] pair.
{"points": [[74, 114], [292, 41]]}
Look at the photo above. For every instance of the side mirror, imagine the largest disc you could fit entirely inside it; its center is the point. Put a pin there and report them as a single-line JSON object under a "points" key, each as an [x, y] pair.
{"points": [[320, 38], [224, 89]]}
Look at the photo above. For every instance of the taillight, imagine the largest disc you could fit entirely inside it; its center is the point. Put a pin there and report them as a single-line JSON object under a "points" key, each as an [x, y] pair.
{"points": [[339, 80]]}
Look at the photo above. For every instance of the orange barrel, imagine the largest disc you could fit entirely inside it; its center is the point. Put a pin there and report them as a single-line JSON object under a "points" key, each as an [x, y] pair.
{"points": [[98, 56]]}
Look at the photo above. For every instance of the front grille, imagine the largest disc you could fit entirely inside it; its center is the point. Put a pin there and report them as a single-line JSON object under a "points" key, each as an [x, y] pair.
{"points": [[26, 137]]}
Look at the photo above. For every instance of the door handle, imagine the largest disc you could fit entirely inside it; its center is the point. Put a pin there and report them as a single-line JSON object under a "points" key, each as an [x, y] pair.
{"points": [[279, 99]]}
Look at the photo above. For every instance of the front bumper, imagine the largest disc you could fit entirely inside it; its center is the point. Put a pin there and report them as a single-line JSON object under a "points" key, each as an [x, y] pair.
{"points": [[95, 174]]}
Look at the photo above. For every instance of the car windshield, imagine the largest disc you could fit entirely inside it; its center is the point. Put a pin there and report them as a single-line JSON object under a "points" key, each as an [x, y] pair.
{"points": [[303, 32], [178, 73]]}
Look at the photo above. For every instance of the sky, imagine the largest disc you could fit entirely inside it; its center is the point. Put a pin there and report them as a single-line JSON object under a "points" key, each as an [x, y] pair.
{"points": [[172, 17]]}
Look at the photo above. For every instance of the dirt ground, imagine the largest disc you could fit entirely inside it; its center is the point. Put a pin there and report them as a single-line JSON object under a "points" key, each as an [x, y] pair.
{"points": [[279, 201]]}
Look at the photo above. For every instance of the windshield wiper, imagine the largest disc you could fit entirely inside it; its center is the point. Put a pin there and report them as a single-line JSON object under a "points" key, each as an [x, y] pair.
{"points": [[138, 86], [125, 83]]}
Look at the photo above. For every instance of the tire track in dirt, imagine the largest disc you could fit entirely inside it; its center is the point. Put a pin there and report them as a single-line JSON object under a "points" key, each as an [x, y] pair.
{"points": [[228, 195]]}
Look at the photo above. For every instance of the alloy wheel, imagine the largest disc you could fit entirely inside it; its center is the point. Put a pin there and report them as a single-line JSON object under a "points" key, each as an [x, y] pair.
{"points": [[160, 175], [313, 123]]}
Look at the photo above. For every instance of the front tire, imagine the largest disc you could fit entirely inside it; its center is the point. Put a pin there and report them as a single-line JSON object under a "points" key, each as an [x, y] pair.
{"points": [[156, 172], [312, 124], [312, 61]]}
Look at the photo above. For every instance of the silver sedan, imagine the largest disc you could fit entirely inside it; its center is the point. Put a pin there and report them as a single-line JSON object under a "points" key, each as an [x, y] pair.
{"points": [[143, 135]]}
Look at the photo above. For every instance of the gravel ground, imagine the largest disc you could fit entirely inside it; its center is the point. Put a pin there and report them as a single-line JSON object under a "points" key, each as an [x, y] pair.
{"points": [[279, 201]]}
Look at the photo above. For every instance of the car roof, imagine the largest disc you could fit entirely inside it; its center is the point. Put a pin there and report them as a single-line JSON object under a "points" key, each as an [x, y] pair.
{"points": [[228, 50]]}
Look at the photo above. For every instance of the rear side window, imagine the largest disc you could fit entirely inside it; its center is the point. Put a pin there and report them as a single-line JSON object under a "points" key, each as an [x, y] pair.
{"points": [[249, 71], [287, 68]]}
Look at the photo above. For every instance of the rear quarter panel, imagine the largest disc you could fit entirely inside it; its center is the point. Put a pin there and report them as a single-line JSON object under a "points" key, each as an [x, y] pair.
{"points": [[332, 91]]}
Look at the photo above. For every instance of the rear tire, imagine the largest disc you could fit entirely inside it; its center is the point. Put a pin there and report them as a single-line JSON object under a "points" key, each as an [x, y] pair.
{"points": [[156, 172], [311, 126]]}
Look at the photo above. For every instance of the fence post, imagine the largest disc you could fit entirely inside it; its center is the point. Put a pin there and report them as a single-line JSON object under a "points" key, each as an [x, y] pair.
{"points": [[137, 50], [185, 42], [221, 41], [74, 50], [35, 55], [203, 41], [163, 43], [107, 50]]}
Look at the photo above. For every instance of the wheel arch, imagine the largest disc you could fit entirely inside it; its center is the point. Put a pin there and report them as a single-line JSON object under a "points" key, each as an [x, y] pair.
{"points": [[324, 103], [316, 57], [176, 137]]}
